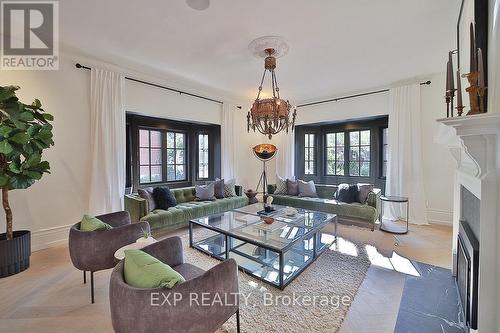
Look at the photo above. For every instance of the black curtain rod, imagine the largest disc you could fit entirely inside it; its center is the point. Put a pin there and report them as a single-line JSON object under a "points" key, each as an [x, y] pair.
{"points": [[353, 96], [160, 86]]}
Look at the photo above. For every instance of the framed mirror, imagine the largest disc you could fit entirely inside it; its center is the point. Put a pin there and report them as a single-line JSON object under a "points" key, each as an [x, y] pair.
{"points": [[475, 11]]}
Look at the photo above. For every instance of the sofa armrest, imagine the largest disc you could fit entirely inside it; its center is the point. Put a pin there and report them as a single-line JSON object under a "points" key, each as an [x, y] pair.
{"points": [[239, 190], [116, 219], [271, 188], [374, 199], [136, 206]]}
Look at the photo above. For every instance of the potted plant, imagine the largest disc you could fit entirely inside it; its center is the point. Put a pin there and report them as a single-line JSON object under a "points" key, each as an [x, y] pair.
{"points": [[25, 131]]}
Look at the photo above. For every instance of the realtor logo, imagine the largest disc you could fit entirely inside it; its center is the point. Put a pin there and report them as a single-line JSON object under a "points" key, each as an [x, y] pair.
{"points": [[29, 35]]}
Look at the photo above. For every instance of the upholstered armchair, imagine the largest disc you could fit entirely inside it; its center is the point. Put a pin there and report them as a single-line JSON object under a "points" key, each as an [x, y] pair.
{"points": [[145, 310], [94, 251]]}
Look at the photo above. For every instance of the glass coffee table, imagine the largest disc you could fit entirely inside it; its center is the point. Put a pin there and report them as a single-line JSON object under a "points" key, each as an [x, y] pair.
{"points": [[274, 253]]}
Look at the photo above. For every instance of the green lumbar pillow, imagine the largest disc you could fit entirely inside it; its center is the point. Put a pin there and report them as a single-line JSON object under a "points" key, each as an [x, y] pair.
{"points": [[91, 223], [142, 270]]}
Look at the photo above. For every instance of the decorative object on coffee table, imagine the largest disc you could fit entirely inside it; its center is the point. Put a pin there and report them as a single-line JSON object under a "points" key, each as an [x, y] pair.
{"points": [[264, 152], [251, 195], [393, 227]]}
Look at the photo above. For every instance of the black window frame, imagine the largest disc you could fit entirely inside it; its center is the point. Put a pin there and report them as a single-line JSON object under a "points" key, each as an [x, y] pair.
{"points": [[309, 148], [149, 147], [191, 130], [374, 124], [198, 155], [382, 155], [349, 146], [335, 148], [175, 149]]}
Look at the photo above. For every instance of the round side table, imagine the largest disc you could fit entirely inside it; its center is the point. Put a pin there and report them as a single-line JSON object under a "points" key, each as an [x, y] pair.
{"points": [[390, 226]]}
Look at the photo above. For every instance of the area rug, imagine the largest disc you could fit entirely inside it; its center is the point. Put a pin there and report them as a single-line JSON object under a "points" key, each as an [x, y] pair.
{"points": [[316, 301]]}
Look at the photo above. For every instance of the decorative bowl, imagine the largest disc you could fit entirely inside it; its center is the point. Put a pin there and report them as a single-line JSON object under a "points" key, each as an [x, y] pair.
{"points": [[268, 220]]}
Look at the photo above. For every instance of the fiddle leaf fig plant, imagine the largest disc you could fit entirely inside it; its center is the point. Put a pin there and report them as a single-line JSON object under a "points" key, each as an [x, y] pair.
{"points": [[25, 131]]}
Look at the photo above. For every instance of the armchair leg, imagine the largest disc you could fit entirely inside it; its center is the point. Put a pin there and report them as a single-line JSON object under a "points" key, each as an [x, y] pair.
{"points": [[84, 277], [92, 286], [238, 321]]}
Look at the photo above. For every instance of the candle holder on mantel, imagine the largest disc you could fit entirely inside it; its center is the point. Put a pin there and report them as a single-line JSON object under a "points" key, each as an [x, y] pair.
{"points": [[474, 93]]}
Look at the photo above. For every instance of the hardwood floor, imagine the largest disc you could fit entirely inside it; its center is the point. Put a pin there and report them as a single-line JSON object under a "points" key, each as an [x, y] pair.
{"points": [[51, 297]]}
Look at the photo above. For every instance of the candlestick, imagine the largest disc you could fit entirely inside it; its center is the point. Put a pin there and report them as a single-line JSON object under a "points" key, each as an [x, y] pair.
{"points": [[450, 64], [480, 68], [460, 105], [448, 76], [473, 50]]}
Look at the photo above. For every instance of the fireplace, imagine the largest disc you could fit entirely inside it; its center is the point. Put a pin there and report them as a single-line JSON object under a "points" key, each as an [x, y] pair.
{"points": [[467, 276]]}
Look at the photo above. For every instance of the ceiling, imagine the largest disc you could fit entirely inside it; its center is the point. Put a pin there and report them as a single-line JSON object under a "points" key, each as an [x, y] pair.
{"points": [[336, 46]]}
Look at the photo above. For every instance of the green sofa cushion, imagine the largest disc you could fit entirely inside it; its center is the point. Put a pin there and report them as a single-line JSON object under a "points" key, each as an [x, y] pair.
{"points": [[142, 270], [184, 194], [91, 223]]}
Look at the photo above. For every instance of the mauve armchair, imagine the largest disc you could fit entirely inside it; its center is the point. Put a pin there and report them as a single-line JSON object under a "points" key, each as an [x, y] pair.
{"points": [[146, 310], [94, 251]]}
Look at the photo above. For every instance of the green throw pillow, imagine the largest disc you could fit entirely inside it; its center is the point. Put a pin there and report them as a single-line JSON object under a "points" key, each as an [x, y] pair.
{"points": [[142, 270], [91, 223]]}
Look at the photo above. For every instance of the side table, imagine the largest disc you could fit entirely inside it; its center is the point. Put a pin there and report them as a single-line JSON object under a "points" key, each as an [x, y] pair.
{"points": [[393, 227]]}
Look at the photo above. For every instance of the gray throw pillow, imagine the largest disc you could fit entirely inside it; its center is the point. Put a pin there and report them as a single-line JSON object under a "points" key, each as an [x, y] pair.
{"points": [[307, 189], [205, 192], [218, 188], [292, 187], [230, 189], [281, 187], [364, 190], [147, 194]]}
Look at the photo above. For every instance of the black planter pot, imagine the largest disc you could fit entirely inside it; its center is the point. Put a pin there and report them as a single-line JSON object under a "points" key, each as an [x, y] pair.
{"points": [[15, 253]]}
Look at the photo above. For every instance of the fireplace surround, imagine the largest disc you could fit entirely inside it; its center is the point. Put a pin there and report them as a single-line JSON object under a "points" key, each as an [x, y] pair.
{"points": [[474, 142]]}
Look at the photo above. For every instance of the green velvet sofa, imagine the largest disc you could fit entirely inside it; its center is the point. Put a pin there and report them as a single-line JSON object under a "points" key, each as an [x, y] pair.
{"points": [[187, 208], [354, 213]]}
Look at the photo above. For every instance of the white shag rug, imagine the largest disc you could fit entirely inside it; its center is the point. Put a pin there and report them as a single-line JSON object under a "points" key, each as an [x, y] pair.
{"points": [[324, 292]]}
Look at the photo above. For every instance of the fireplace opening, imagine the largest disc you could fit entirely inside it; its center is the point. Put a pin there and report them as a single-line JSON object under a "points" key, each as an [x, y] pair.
{"points": [[467, 277]]}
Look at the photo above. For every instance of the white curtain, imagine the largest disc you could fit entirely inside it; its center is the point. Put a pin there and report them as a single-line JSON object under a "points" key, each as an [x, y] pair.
{"points": [[228, 143], [107, 142], [285, 157], [404, 171]]}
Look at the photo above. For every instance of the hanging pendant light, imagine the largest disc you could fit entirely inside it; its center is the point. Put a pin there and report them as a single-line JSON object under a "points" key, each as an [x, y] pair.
{"points": [[270, 115]]}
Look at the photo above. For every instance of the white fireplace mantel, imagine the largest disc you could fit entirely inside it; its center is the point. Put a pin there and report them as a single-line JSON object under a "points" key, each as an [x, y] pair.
{"points": [[474, 142], [473, 137]]}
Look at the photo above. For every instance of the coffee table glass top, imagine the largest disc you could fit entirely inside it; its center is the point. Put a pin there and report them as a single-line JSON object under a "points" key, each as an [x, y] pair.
{"points": [[278, 235]]}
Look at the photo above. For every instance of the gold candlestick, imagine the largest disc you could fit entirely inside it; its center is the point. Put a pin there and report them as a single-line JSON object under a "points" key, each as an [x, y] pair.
{"points": [[473, 91]]}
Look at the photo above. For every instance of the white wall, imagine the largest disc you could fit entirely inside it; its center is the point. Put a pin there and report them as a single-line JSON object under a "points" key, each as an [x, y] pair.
{"points": [[141, 98], [60, 199]]}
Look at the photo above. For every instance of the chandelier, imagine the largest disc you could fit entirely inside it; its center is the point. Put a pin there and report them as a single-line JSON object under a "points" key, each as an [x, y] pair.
{"points": [[270, 115]]}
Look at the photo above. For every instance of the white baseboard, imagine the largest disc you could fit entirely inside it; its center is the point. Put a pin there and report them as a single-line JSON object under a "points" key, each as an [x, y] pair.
{"points": [[439, 216], [45, 238]]}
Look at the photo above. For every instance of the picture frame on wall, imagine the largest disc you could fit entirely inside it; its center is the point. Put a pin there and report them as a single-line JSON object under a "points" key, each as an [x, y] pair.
{"points": [[475, 11]]}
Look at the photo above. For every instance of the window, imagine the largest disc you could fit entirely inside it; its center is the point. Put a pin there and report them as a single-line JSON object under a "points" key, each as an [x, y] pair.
{"points": [[149, 156], [335, 154], [385, 153], [202, 156], [174, 153], [309, 154], [359, 153], [176, 157], [342, 152]]}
